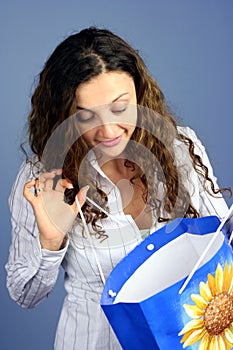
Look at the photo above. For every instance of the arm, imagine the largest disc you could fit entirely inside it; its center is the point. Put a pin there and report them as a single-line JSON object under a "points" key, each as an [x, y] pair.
{"points": [[31, 270]]}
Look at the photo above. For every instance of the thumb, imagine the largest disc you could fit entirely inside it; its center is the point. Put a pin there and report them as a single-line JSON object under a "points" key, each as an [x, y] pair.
{"points": [[81, 196]]}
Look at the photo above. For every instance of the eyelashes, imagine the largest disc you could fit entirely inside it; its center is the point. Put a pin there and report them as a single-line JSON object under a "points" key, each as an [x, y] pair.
{"points": [[85, 115], [119, 111]]}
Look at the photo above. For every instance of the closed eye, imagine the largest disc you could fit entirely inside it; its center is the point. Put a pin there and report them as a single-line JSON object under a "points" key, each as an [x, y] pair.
{"points": [[119, 107], [85, 115], [119, 111]]}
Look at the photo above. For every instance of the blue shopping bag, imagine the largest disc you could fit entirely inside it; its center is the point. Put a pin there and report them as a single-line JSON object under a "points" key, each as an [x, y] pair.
{"points": [[142, 298]]}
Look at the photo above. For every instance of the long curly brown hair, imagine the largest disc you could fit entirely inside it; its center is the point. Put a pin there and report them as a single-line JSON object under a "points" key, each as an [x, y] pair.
{"points": [[78, 59]]}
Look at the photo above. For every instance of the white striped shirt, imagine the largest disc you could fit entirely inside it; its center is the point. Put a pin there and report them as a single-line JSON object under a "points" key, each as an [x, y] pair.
{"points": [[32, 271]]}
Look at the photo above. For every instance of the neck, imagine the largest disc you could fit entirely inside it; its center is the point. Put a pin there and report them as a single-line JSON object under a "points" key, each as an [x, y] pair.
{"points": [[114, 165], [116, 170]]}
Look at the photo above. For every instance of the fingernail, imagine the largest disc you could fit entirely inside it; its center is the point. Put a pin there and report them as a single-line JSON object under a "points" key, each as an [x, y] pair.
{"points": [[86, 188]]}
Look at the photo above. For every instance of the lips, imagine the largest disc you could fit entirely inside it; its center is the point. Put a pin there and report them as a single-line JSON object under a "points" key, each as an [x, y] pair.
{"points": [[111, 142]]}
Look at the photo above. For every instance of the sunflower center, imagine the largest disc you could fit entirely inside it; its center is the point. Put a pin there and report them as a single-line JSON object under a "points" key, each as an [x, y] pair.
{"points": [[219, 313]]}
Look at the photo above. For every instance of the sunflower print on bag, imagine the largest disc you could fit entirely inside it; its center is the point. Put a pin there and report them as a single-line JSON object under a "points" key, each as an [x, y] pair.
{"points": [[212, 313]]}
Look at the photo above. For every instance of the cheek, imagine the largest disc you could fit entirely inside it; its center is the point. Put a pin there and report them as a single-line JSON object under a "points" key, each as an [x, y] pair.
{"points": [[132, 120], [131, 117], [131, 130], [88, 136]]}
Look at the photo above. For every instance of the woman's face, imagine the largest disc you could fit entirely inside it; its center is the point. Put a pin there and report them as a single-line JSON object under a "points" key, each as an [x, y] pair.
{"points": [[107, 112]]}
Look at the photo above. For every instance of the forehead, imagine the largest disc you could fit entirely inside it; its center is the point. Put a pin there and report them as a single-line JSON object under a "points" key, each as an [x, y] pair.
{"points": [[104, 89]]}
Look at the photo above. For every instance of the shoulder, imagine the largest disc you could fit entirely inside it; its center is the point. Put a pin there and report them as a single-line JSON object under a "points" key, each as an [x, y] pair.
{"points": [[29, 168], [199, 148], [187, 131]]}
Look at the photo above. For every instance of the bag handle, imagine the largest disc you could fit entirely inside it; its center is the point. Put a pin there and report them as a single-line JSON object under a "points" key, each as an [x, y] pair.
{"points": [[90, 241], [230, 211], [101, 209]]}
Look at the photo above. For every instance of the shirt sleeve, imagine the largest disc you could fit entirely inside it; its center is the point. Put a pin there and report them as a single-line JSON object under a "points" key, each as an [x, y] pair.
{"points": [[209, 204], [31, 271]]}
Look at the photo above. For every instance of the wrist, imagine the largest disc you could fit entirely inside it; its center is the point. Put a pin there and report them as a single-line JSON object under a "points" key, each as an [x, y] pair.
{"points": [[53, 244]]}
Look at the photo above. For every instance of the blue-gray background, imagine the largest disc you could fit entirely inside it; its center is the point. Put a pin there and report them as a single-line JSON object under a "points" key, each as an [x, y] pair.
{"points": [[188, 48]]}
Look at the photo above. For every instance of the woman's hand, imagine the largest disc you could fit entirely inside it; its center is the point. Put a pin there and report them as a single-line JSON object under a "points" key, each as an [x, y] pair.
{"points": [[54, 217]]}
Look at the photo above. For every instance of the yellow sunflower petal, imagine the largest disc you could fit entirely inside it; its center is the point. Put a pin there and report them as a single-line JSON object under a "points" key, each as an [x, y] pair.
{"points": [[228, 335], [214, 344], [228, 342], [230, 289], [194, 337], [193, 311], [222, 344], [185, 336], [219, 279], [230, 279], [204, 343], [193, 324], [231, 269], [226, 281], [231, 327], [199, 300], [205, 291], [212, 284], [228, 347]]}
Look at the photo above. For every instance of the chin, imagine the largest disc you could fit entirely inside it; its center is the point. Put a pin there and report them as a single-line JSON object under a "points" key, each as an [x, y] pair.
{"points": [[110, 152], [113, 154]]}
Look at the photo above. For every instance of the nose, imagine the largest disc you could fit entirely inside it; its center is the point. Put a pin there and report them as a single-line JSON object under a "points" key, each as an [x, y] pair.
{"points": [[108, 127], [108, 130]]}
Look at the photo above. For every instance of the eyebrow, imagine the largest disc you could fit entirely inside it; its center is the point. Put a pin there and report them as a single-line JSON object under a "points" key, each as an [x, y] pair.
{"points": [[115, 99]]}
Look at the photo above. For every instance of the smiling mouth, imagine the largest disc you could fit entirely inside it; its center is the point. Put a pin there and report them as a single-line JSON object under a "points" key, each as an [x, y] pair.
{"points": [[112, 142]]}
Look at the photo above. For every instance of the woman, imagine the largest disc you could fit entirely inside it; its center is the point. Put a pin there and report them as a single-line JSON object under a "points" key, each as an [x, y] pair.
{"points": [[102, 139]]}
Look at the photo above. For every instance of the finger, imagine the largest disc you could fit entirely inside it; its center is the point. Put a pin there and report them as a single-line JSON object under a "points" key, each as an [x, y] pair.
{"points": [[61, 185], [46, 176], [27, 190], [47, 179], [39, 186], [48, 185], [81, 196], [49, 175], [58, 171]]}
